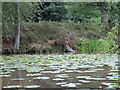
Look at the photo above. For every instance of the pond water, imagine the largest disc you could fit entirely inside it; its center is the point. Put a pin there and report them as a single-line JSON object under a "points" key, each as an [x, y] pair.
{"points": [[60, 71]]}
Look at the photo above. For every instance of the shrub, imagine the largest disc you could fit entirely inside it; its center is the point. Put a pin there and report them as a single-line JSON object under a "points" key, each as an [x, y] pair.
{"points": [[95, 45]]}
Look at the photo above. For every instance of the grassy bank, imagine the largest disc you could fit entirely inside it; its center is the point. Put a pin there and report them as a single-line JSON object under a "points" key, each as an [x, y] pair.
{"points": [[87, 37]]}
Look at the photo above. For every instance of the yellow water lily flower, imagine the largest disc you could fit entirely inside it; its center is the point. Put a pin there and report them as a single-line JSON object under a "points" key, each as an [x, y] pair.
{"points": [[100, 87], [110, 65], [29, 71], [62, 71], [29, 80], [40, 60]]}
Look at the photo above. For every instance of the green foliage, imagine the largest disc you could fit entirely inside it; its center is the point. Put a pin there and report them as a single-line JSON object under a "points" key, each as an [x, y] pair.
{"points": [[92, 45], [82, 11], [53, 11], [42, 31], [83, 27], [97, 45], [113, 11], [9, 16], [87, 45]]}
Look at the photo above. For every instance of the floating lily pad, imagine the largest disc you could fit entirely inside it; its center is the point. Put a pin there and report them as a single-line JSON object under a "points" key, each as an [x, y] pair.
{"points": [[99, 78], [78, 83], [107, 84], [99, 69], [69, 85], [112, 86], [5, 72], [11, 70], [114, 70], [61, 83], [90, 78], [79, 71], [32, 86], [5, 75], [112, 73], [99, 65], [68, 71], [55, 72], [112, 77], [36, 74], [89, 71], [18, 79], [58, 79], [41, 78], [13, 86], [84, 81], [72, 68], [62, 75], [83, 76]]}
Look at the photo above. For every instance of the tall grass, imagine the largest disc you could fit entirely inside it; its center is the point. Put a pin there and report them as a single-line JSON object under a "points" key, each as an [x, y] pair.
{"points": [[92, 45]]}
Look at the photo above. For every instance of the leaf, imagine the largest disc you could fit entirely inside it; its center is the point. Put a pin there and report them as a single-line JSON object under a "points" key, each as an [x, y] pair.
{"points": [[13, 86], [32, 86]]}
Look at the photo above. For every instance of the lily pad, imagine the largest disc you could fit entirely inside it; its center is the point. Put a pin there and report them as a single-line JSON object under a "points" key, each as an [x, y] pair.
{"points": [[5, 75], [17, 79], [112, 87], [114, 70], [55, 72], [12, 70], [99, 78], [83, 76], [99, 65], [112, 73], [36, 74], [107, 84], [69, 85], [90, 78], [99, 69], [32, 86], [78, 83], [90, 71], [113, 78], [41, 78], [72, 68], [62, 75], [79, 71], [84, 81], [13, 86], [61, 83], [68, 71], [58, 79]]}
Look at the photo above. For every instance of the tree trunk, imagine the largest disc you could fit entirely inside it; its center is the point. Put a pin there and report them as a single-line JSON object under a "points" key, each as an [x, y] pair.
{"points": [[17, 40]]}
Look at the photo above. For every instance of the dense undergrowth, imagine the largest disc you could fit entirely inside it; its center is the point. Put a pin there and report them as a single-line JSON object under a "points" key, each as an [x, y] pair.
{"points": [[87, 37]]}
